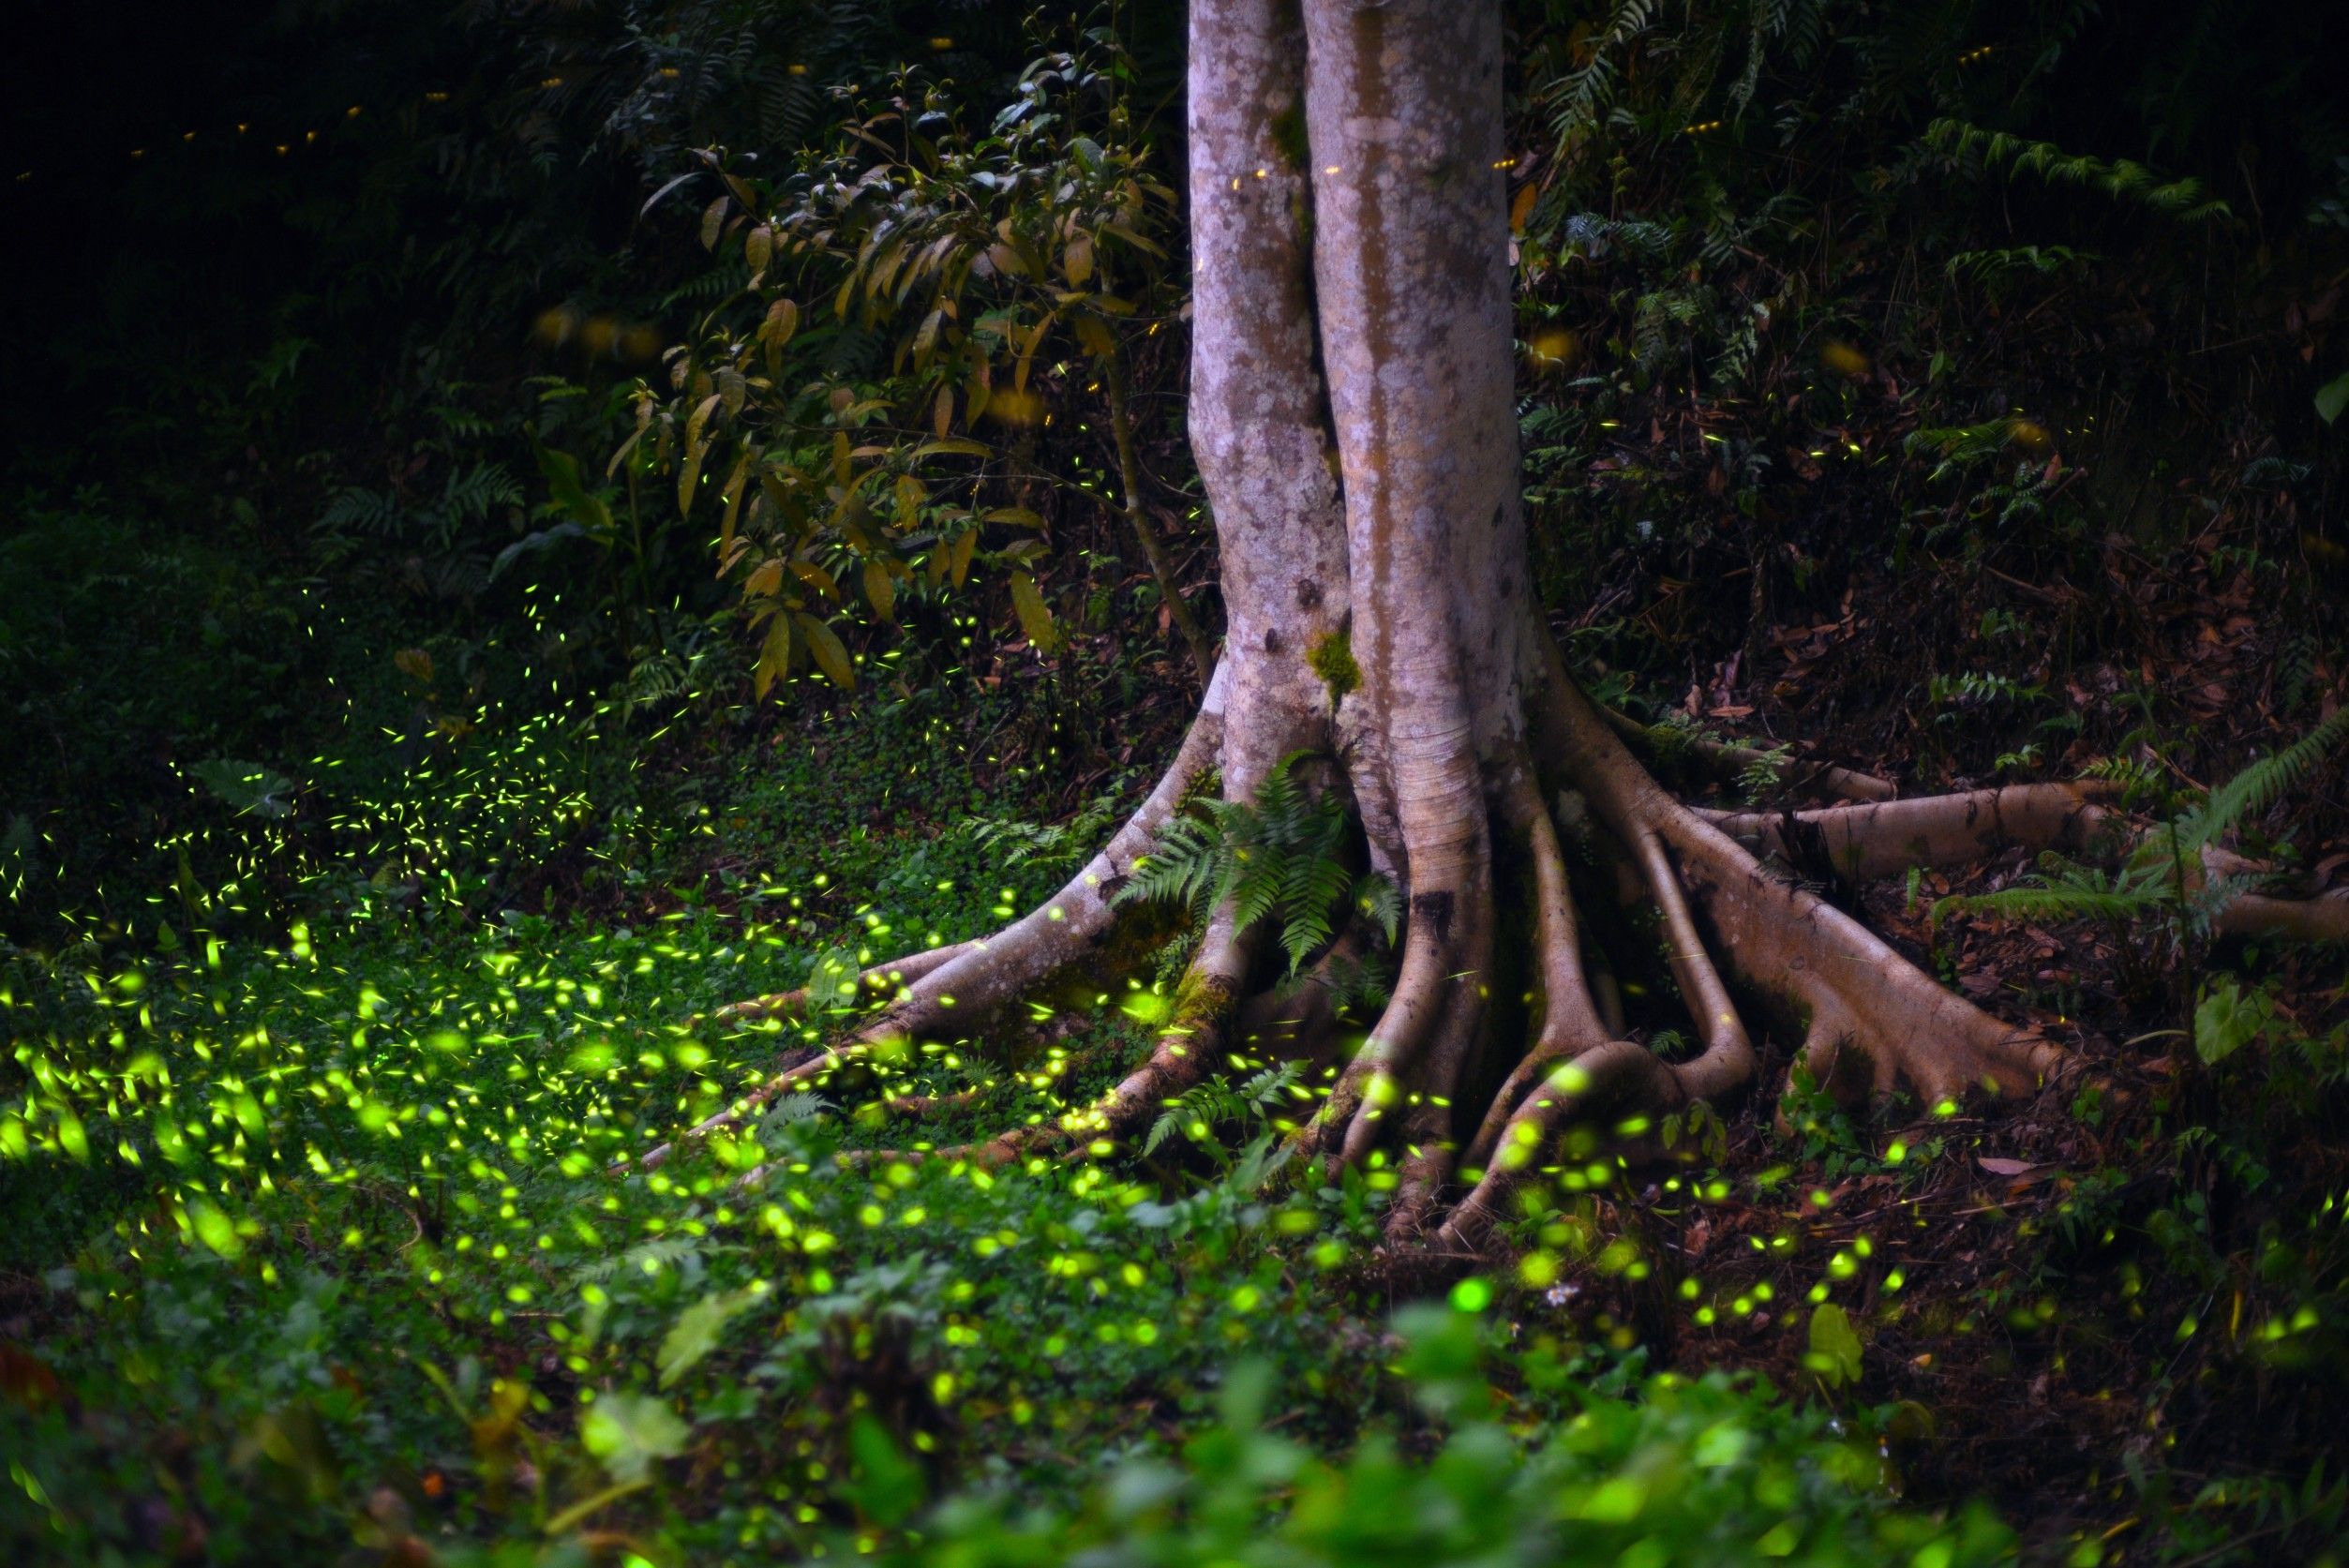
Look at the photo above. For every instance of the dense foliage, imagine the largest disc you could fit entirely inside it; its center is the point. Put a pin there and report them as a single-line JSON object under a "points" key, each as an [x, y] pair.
{"points": [[528, 522]]}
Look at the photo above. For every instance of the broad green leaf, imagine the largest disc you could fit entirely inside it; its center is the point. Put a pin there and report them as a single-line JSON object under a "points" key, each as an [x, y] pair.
{"points": [[630, 1432], [889, 1486], [215, 1229], [880, 591], [825, 648], [831, 980], [2226, 1021], [1835, 1345], [2332, 397], [252, 789], [561, 472], [74, 1138], [696, 1332]]}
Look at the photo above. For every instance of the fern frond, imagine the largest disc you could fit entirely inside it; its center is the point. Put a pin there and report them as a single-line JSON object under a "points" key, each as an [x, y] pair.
{"points": [[1255, 890], [1377, 899], [2259, 786], [1200, 1110], [2047, 903], [1303, 932]]}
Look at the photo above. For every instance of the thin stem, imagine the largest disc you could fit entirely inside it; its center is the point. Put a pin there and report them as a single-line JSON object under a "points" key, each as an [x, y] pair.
{"points": [[1129, 478]]}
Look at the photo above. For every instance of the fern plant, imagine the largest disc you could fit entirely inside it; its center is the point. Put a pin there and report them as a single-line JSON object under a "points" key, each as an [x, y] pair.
{"points": [[1281, 856], [2123, 180], [1200, 1111], [2155, 877]]}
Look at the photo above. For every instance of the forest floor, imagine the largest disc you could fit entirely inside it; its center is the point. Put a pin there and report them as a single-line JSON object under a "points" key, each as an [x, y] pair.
{"points": [[311, 1247]]}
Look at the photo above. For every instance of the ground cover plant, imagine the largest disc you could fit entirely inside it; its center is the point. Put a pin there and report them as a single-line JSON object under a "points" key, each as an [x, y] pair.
{"points": [[1325, 783]]}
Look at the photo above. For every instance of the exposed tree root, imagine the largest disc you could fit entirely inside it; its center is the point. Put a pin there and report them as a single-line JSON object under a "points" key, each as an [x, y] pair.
{"points": [[1869, 1021], [1351, 408], [1860, 842], [965, 981]]}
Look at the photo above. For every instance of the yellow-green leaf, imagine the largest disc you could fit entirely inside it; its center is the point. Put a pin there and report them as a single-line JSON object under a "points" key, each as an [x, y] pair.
{"points": [[713, 221], [958, 565], [782, 321], [1093, 334], [777, 483], [697, 448], [1019, 517], [831, 657], [215, 1229], [926, 338], [911, 493], [953, 446], [1136, 240], [880, 591], [737, 486], [1076, 262], [763, 581], [1036, 616], [1836, 1351], [71, 1136], [1027, 352], [760, 248], [817, 579], [1521, 207], [774, 655]]}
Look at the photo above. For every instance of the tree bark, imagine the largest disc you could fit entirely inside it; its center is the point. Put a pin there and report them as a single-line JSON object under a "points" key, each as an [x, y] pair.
{"points": [[1352, 414]]}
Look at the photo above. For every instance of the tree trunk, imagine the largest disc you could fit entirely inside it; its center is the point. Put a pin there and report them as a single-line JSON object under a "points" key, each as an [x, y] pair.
{"points": [[1352, 414]]}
